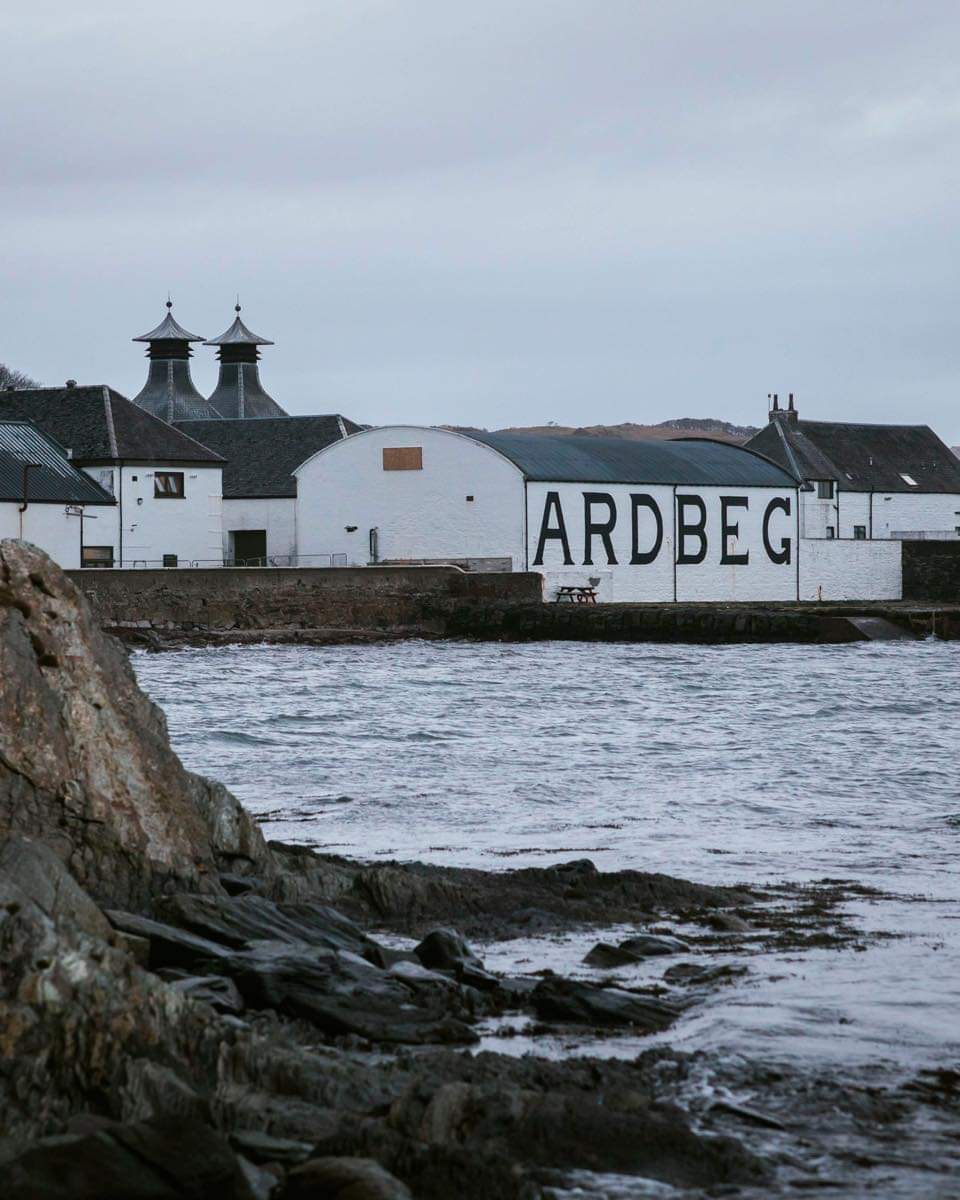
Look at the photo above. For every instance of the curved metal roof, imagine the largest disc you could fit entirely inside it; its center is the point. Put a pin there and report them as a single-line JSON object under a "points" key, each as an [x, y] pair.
{"points": [[238, 335], [168, 330], [691, 461]]}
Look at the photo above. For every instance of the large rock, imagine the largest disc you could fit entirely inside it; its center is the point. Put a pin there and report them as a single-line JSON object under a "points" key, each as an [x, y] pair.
{"points": [[85, 762], [36, 871], [166, 1160]]}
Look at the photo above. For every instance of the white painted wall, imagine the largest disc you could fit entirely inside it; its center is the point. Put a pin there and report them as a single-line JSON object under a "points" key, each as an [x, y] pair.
{"points": [[418, 514], [278, 516], [191, 528], [758, 579], [892, 513], [49, 527], [922, 512], [850, 570]]}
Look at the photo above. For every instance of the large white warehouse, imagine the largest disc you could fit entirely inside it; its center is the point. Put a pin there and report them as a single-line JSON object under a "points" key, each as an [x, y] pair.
{"points": [[638, 520]]}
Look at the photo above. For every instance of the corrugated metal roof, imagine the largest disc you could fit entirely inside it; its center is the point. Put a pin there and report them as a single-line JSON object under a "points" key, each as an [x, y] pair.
{"points": [[689, 461], [53, 478]]}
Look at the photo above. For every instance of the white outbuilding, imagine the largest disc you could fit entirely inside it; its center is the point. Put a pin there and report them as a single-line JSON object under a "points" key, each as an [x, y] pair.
{"points": [[690, 519], [44, 499]]}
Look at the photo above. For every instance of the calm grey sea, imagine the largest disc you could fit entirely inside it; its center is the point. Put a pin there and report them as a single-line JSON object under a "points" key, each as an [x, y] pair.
{"points": [[721, 764]]}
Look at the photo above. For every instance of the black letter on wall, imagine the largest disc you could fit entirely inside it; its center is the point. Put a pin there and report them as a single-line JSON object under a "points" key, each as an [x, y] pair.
{"points": [[783, 554], [640, 500], [552, 503], [732, 529], [604, 528], [697, 529]]}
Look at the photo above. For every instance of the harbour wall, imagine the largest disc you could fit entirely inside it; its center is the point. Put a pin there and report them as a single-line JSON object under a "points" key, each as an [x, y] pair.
{"points": [[231, 600], [316, 605]]}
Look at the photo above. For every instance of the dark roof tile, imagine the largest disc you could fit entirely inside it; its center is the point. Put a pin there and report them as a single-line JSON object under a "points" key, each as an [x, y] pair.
{"points": [[263, 452], [862, 458], [99, 425]]}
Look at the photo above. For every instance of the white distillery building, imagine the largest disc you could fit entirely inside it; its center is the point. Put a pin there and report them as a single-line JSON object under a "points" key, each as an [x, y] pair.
{"points": [[864, 481], [167, 487], [44, 499], [686, 520]]}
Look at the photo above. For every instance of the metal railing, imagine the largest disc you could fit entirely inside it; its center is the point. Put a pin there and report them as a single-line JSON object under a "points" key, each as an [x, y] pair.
{"points": [[268, 560]]}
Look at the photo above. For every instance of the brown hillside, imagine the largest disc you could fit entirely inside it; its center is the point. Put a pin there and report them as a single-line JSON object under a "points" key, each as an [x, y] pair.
{"points": [[677, 427]]}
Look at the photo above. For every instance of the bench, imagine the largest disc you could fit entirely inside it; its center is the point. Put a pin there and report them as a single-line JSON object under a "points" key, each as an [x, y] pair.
{"points": [[576, 594]]}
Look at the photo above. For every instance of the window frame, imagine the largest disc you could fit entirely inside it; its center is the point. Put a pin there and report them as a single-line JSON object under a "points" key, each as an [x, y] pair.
{"points": [[178, 476], [829, 485]]}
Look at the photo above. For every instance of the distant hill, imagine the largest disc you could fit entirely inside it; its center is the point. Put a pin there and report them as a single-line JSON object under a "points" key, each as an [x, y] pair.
{"points": [[677, 427]]}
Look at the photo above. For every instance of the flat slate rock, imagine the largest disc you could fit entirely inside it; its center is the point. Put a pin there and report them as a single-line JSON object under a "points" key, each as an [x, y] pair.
{"points": [[566, 1000], [236, 920], [169, 946]]}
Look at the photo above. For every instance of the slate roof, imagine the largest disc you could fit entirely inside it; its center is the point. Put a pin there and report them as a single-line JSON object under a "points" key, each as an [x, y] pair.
{"points": [[262, 452], [862, 458], [99, 425], [54, 479], [689, 461]]}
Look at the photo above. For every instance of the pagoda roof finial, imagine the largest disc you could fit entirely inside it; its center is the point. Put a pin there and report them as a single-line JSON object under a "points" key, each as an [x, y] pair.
{"points": [[169, 330]]}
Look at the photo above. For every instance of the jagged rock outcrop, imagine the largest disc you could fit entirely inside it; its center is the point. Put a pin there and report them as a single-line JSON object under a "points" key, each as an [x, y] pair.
{"points": [[85, 763]]}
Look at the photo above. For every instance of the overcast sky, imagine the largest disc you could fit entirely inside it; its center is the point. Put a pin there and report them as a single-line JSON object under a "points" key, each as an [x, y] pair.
{"points": [[494, 213]]}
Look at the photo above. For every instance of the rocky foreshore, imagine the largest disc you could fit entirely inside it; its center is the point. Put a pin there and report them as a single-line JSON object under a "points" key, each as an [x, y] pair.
{"points": [[189, 1011]]}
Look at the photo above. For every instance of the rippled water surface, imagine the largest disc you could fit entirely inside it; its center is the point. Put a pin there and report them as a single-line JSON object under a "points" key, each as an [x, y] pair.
{"points": [[721, 764]]}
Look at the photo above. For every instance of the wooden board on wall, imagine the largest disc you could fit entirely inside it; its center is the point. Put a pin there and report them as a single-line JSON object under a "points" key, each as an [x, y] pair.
{"points": [[403, 458]]}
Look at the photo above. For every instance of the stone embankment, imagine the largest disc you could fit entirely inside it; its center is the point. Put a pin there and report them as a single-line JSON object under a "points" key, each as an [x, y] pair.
{"points": [[281, 604], [187, 1011], [319, 606], [706, 623]]}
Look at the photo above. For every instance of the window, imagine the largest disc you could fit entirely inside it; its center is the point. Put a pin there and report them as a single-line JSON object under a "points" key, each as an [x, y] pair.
{"points": [[169, 560], [860, 533], [825, 489], [97, 556], [831, 532], [403, 458], [469, 499], [908, 479], [168, 485]]}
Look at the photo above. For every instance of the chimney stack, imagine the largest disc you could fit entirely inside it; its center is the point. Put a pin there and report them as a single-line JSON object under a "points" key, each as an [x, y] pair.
{"points": [[777, 413]]}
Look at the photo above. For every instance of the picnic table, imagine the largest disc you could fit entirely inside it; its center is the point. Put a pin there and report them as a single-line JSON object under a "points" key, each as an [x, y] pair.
{"points": [[576, 594]]}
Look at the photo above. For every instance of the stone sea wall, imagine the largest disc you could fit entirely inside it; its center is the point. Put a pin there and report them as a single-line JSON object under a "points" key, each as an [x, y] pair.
{"points": [[397, 599], [931, 571]]}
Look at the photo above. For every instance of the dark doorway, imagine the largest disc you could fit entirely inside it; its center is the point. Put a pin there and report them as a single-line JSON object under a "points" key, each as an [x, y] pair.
{"points": [[249, 547]]}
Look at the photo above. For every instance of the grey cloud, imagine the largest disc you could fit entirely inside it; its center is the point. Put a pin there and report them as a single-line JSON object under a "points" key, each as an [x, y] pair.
{"points": [[498, 213]]}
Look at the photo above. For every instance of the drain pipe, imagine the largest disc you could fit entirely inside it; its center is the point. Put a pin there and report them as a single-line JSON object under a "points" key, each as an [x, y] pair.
{"points": [[27, 468]]}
